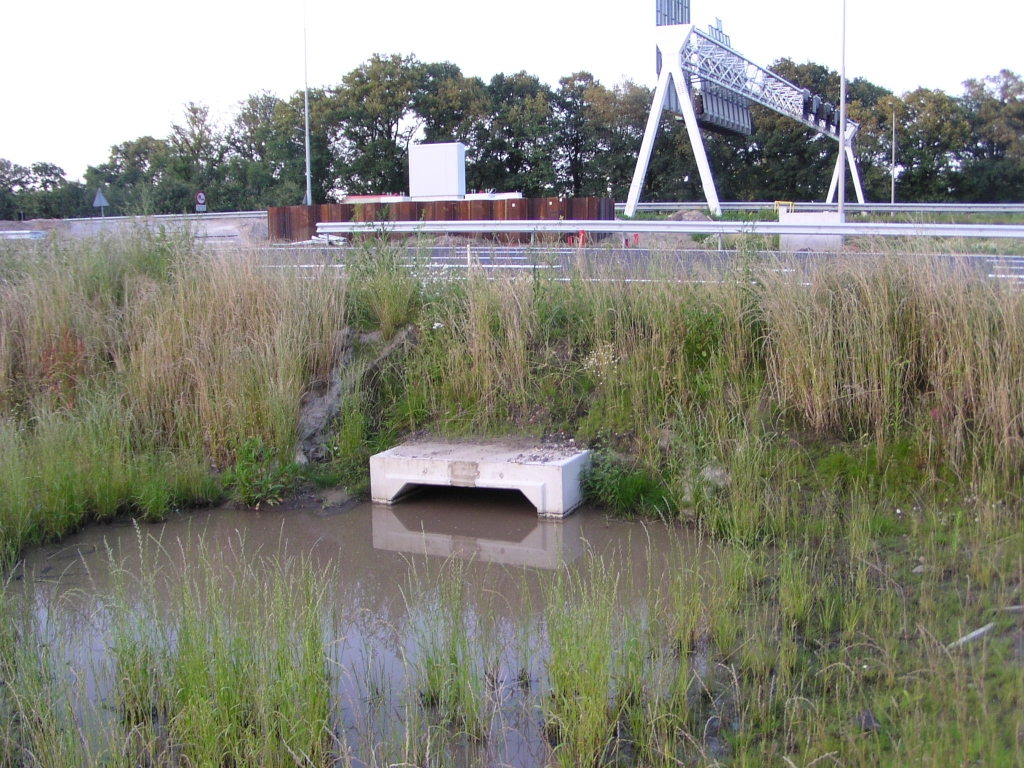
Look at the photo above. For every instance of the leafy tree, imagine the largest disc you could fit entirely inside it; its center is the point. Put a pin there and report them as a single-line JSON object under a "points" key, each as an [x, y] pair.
{"points": [[672, 171], [290, 146], [621, 117], [374, 110], [41, 191], [197, 141], [133, 178], [47, 177], [14, 179], [448, 104], [50, 195], [511, 148], [582, 138], [251, 134], [265, 161], [785, 159], [932, 143], [994, 171], [873, 143], [197, 151], [252, 168]]}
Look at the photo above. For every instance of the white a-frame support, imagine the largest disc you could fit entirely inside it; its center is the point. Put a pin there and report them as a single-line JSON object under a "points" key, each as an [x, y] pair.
{"points": [[851, 161], [671, 41]]}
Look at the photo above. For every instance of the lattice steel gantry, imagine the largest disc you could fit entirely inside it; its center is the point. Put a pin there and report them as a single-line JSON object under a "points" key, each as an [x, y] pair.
{"points": [[702, 78]]}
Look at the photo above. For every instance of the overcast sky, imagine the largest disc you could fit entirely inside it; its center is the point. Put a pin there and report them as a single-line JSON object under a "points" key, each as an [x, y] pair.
{"points": [[84, 75]]}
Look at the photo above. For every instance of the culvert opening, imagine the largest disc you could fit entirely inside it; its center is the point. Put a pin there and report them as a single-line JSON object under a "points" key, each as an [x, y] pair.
{"points": [[486, 513]]}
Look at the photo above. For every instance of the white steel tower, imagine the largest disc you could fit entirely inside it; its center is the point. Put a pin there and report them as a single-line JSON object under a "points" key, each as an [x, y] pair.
{"points": [[702, 78]]}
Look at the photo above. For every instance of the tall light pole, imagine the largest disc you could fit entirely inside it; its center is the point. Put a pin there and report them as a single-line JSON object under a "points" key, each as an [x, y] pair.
{"points": [[842, 121], [892, 167], [305, 68]]}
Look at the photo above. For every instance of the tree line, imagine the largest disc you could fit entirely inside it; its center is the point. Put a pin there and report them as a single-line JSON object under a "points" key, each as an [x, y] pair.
{"points": [[523, 135]]}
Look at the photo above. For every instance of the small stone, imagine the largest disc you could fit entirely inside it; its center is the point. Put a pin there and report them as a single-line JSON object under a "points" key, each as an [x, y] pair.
{"points": [[686, 498], [371, 337], [687, 214], [300, 458], [665, 440], [715, 476], [921, 560], [866, 721], [335, 497], [918, 569]]}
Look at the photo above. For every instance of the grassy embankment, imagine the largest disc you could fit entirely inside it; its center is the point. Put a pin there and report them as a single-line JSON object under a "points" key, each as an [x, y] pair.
{"points": [[865, 418]]}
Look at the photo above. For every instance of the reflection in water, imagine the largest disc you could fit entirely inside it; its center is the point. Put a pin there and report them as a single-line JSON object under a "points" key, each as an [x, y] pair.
{"points": [[455, 580], [481, 525]]}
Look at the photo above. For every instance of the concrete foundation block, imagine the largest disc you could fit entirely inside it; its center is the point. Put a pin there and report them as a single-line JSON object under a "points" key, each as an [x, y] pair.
{"points": [[815, 243], [549, 476]]}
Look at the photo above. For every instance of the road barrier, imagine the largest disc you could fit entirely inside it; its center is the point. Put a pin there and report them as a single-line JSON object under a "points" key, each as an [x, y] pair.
{"points": [[891, 208], [627, 228]]}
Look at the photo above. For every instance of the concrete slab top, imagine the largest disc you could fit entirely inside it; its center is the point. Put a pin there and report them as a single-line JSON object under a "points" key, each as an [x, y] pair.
{"points": [[548, 474], [506, 451]]}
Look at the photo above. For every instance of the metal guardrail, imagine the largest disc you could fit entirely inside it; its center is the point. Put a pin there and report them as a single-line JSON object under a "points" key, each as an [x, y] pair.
{"points": [[735, 206], [181, 216], [936, 208], [661, 207], [628, 227], [23, 234]]}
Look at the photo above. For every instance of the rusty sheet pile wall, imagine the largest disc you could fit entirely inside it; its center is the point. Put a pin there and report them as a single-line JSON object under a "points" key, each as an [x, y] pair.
{"points": [[298, 222]]}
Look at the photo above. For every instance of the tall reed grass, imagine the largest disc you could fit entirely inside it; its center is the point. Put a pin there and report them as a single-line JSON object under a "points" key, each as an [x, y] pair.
{"points": [[158, 361], [131, 367]]}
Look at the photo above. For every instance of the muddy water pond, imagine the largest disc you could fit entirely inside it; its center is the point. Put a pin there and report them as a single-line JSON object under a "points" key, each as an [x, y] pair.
{"points": [[455, 628]]}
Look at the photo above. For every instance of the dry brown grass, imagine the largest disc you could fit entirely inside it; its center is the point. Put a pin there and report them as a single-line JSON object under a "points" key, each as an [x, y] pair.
{"points": [[191, 354], [222, 348], [127, 368], [882, 345], [227, 350]]}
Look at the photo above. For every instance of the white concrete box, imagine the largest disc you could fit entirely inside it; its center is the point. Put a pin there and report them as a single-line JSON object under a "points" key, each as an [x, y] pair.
{"points": [[548, 476], [794, 243], [437, 170]]}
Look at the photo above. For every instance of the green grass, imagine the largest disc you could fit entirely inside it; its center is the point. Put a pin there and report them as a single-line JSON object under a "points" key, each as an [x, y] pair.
{"points": [[768, 653], [832, 426], [220, 663], [760, 655], [448, 675], [258, 477], [579, 718]]}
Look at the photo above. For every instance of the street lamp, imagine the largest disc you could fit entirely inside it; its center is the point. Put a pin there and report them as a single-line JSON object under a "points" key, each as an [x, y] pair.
{"points": [[842, 121], [305, 72], [892, 167]]}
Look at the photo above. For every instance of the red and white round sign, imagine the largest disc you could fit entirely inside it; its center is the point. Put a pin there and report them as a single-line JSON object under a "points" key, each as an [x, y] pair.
{"points": [[200, 198]]}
